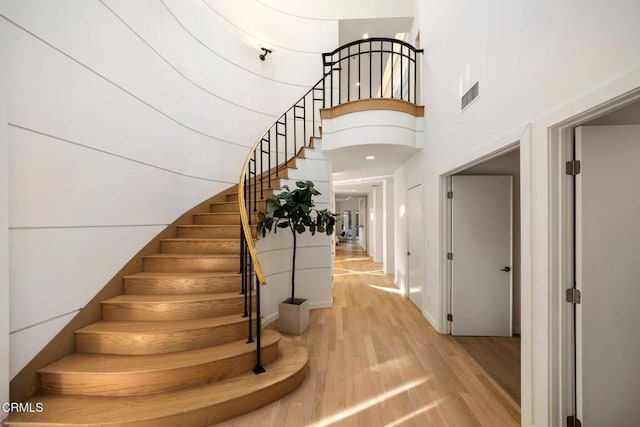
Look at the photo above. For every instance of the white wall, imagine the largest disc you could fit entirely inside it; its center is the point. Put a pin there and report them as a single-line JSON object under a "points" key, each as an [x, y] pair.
{"points": [[122, 115], [538, 63], [337, 9], [388, 218], [4, 228], [314, 256]]}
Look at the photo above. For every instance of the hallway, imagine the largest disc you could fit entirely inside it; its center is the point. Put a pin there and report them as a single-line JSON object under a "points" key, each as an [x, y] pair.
{"points": [[375, 361]]}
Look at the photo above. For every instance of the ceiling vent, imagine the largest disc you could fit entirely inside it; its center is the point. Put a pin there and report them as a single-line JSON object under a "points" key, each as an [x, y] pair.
{"points": [[470, 95]]}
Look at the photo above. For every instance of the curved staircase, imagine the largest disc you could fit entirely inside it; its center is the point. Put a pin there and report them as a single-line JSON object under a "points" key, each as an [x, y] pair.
{"points": [[172, 350]]}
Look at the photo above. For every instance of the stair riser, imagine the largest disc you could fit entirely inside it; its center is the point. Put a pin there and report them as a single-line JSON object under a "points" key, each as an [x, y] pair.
{"points": [[224, 207], [201, 247], [131, 384], [232, 408], [221, 219], [180, 286], [261, 206], [203, 264], [173, 311], [212, 232], [161, 342]]}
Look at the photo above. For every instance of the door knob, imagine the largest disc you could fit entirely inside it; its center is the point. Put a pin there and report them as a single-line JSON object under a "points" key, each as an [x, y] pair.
{"points": [[507, 269]]}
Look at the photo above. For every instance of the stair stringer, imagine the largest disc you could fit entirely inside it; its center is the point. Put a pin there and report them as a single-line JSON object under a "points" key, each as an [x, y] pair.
{"points": [[26, 382]]}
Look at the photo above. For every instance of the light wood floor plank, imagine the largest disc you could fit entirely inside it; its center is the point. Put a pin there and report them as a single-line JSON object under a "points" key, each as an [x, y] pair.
{"points": [[375, 361]]}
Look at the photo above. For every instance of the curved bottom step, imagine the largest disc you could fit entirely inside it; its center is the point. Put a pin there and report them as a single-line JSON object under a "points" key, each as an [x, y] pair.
{"points": [[196, 406]]}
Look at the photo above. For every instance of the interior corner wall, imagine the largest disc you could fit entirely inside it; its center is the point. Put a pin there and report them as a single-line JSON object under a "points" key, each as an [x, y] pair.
{"points": [[122, 116], [4, 227]]}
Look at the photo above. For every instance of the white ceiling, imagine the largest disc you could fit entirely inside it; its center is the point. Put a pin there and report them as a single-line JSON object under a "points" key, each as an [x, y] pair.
{"points": [[354, 174]]}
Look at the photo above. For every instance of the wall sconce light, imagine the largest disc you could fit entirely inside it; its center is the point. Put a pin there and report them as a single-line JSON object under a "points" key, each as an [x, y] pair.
{"points": [[264, 53]]}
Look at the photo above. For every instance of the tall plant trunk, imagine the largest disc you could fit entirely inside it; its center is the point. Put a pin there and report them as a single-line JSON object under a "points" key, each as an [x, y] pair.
{"points": [[293, 269]]}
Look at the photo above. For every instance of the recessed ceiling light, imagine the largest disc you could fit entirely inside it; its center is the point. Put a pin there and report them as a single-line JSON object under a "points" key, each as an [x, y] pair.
{"points": [[365, 36], [370, 157]]}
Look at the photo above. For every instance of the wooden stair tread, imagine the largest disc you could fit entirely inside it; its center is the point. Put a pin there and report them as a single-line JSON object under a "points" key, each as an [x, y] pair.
{"points": [[113, 363], [180, 275], [200, 239], [133, 327], [216, 225], [194, 406], [192, 256], [137, 299]]}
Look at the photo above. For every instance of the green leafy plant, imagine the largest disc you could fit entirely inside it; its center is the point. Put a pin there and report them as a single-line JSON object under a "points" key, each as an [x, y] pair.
{"points": [[295, 210]]}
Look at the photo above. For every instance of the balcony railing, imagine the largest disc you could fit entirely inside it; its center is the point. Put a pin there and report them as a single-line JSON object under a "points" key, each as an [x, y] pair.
{"points": [[363, 69]]}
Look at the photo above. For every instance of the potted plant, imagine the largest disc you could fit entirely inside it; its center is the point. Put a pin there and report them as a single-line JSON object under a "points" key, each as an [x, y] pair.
{"points": [[295, 210]]}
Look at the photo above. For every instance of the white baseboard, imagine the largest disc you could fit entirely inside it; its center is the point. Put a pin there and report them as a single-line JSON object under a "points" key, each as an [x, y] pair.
{"points": [[432, 321], [267, 320]]}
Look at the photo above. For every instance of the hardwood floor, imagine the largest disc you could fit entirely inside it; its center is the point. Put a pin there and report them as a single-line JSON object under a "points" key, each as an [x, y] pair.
{"points": [[500, 357], [375, 361]]}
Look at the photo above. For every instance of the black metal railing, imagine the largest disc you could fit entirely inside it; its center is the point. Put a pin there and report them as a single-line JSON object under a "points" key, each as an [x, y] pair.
{"points": [[373, 68], [275, 150]]}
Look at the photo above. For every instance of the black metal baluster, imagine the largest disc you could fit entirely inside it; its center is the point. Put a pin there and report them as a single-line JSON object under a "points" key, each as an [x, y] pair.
{"points": [[304, 120], [391, 59], [409, 75], [349, 74], [401, 73], [261, 170], [340, 78], [370, 69], [258, 368], [250, 338], [381, 72], [359, 74]]}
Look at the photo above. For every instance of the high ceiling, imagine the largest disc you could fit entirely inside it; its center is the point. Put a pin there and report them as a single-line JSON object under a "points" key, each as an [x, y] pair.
{"points": [[354, 174]]}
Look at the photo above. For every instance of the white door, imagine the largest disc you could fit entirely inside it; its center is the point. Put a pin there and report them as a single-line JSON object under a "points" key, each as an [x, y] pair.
{"points": [[415, 218], [481, 242], [608, 275]]}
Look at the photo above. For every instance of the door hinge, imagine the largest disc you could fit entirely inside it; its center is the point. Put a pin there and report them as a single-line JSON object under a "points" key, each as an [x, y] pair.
{"points": [[449, 194], [573, 296], [573, 421], [449, 255], [573, 167], [449, 317]]}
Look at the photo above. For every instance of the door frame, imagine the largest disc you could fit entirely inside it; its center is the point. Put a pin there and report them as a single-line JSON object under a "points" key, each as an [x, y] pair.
{"points": [[509, 143], [561, 251], [407, 267]]}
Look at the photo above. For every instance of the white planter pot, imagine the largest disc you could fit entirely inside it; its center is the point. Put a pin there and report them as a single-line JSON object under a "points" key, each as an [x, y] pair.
{"points": [[293, 318]]}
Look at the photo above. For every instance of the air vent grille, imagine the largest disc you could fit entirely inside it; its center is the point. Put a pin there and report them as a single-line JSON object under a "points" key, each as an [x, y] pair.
{"points": [[470, 95]]}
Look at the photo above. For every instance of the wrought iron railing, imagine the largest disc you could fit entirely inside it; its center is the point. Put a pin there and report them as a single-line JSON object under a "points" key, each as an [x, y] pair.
{"points": [[372, 68], [394, 60]]}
